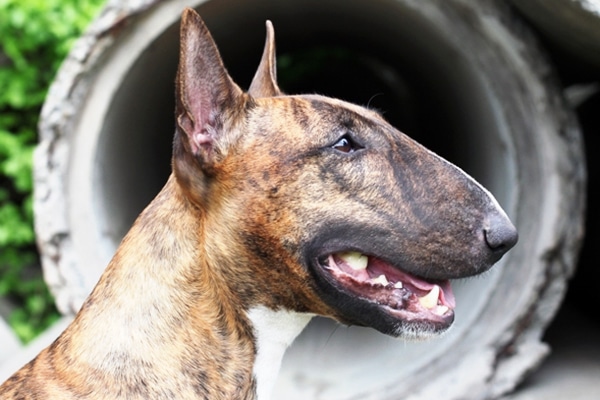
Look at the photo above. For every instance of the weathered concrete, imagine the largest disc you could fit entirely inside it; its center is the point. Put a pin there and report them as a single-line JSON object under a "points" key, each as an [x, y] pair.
{"points": [[484, 96], [573, 26], [9, 343], [572, 371]]}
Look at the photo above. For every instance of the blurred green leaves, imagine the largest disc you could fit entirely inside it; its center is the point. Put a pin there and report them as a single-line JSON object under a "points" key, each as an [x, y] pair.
{"points": [[35, 37]]}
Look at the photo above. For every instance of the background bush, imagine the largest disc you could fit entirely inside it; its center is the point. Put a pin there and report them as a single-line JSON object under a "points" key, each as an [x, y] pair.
{"points": [[35, 36]]}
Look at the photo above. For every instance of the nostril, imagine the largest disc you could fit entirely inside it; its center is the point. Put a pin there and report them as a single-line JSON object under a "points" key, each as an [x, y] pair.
{"points": [[501, 236]]}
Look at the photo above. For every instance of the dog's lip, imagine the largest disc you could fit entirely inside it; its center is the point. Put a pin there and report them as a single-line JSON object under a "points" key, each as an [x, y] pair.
{"points": [[400, 293]]}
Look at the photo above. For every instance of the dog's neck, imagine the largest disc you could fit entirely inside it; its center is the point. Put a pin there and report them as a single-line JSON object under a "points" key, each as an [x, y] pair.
{"points": [[230, 349], [275, 331]]}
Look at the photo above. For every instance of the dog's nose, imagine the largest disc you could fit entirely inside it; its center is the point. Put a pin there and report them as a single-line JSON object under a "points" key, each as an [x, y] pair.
{"points": [[500, 234]]}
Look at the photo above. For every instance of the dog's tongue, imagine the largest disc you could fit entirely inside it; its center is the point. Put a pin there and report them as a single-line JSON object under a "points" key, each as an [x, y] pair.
{"points": [[372, 269]]}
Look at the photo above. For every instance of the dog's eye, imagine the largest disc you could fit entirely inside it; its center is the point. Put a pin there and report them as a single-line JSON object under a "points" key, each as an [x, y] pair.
{"points": [[346, 145]]}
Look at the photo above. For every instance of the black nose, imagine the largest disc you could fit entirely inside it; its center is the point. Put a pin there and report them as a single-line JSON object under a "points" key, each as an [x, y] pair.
{"points": [[500, 234]]}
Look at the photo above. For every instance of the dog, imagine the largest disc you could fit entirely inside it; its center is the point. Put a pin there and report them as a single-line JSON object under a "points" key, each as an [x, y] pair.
{"points": [[278, 208]]}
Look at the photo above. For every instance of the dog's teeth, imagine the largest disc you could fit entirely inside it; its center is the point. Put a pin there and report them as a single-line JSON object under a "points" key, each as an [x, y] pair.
{"points": [[381, 280], [440, 310], [430, 300], [357, 261], [398, 285]]}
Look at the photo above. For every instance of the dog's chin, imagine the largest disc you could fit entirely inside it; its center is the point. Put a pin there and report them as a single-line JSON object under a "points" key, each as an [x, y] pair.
{"points": [[367, 291]]}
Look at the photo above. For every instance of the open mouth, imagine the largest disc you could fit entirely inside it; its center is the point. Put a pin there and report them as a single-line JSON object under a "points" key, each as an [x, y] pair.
{"points": [[398, 293]]}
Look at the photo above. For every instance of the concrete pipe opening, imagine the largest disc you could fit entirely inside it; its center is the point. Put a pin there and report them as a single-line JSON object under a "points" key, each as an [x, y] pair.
{"points": [[463, 78]]}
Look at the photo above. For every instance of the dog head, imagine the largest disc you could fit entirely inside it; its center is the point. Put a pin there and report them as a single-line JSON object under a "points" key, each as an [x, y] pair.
{"points": [[317, 205]]}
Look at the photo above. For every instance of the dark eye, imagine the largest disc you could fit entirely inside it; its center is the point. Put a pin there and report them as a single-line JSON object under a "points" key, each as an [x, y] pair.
{"points": [[346, 145]]}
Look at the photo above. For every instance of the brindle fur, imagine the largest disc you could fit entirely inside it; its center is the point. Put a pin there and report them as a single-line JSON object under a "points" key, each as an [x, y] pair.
{"points": [[256, 196]]}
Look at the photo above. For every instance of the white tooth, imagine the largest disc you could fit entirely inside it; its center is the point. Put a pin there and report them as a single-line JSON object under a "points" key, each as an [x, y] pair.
{"points": [[430, 300], [357, 261], [441, 310], [381, 280], [398, 285]]}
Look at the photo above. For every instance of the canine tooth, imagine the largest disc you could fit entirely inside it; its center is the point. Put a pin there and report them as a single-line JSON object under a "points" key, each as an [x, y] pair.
{"points": [[398, 285], [441, 310], [430, 300], [357, 261], [381, 280]]}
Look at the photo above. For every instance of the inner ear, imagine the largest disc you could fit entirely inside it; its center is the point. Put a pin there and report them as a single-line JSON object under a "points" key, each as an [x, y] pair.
{"points": [[206, 94], [264, 83]]}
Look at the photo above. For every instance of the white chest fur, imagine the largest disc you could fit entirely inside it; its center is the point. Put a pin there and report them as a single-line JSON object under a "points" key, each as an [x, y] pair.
{"points": [[275, 331]]}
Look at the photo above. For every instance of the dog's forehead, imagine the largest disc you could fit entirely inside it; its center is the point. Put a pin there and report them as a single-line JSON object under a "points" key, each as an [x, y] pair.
{"points": [[335, 107], [333, 103], [321, 110]]}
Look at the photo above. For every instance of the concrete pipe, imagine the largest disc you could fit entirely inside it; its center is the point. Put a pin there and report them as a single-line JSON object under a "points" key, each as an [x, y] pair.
{"points": [[573, 26], [464, 78]]}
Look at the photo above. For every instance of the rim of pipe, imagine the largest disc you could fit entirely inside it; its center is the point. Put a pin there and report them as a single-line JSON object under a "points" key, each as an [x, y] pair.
{"points": [[480, 89]]}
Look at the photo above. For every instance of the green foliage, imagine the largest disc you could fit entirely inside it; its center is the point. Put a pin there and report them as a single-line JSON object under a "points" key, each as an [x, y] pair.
{"points": [[35, 36]]}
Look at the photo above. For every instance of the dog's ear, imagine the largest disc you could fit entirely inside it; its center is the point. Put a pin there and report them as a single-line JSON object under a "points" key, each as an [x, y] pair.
{"points": [[264, 83], [206, 95]]}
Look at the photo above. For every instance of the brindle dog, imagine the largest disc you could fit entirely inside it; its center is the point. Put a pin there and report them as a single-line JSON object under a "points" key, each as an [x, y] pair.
{"points": [[278, 208]]}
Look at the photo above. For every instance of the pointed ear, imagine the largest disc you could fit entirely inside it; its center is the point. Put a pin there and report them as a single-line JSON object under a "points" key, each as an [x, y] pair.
{"points": [[206, 95], [264, 83]]}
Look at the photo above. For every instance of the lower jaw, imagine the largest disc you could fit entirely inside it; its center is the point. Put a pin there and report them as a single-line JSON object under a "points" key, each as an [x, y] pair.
{"points": [[350, 309], [400, 306], [411, 325], [416, 327]]}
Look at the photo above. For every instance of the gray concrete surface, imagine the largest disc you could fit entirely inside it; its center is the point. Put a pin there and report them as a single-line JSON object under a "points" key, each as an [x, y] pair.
{"points": [[20, 356], [9, 344], [572, 371]]}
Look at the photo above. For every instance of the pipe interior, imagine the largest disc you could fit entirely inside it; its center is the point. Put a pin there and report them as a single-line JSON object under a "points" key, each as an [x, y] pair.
{"points": [[378, 53]]}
